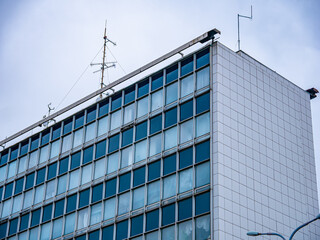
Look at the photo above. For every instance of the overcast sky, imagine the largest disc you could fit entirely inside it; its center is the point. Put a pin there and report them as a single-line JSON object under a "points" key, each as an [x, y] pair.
{"points": [[45, 45]]}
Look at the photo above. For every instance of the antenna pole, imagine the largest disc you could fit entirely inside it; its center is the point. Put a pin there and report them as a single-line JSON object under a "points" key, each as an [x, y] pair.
{"points": [[104, 57], [251, 16]]}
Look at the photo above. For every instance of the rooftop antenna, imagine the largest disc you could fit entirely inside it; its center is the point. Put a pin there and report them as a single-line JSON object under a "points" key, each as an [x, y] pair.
{"points": [[239, 16], [46, 124], [104, 64]]}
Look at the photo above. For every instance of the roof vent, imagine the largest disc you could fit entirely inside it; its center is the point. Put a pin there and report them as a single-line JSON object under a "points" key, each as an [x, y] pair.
{"points": [[312, 92]]}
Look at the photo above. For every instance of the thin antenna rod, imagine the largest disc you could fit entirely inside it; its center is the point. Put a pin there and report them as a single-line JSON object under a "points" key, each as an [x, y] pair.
{"points": [[104, 56], [251, 16]]}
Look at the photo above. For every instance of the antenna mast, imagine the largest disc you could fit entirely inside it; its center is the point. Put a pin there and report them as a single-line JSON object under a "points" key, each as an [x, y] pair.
{"points": [[239, 25]]}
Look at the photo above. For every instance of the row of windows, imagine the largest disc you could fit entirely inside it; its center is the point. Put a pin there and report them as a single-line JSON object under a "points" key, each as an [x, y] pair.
{"points": [[167, 215], [117, 100]]}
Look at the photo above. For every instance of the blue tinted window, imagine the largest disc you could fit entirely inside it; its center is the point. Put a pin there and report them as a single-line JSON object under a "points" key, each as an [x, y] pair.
{"points": [[67, 125], [24, 222], [103, 107], [129, 95], [203, 58], [91, 114], [63, 165], [187, 66], [152, 220], [168, 214], [116, 101], [113, 143], [203, 103], [107, 233], [141, 130], [83, 237], [94, 235], [97, 193], [59, 208], [101, 149], [19, 186], [84, 198], [139, 176], [41, 175], [79, 120], [111, 187], [47, 213], [122, 230], [186, 110], [14, 152], [124, 182], [35, 219], [87, 155], [155, 124], [185, 158], [4, 157], [29, 181], [75, 160], [52, 171], [143, 88], [154, 170], [34, 143], [185, 209], [71, 203], [169, 164], [157, 81], [45, 137], [127, 137], [136, 225], [24, 148], [170, 117], [1, 191], [56, 131], [13, 226], [172, 74], [8, 191], [203, 203], [202, 151], [3, 230]]}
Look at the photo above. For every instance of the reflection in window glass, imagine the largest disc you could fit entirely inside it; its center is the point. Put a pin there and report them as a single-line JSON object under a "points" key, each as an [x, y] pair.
{"points": [[69, 223], [109, 208], [140, 151], [67, 125], [103, 125], [171, 73], [57, 228], [203, 227], [169, 186], [39, 194], [22, 165], [113, 162], [6, 209], [3, 173], [202, 174], [79, 120], [33, 159], [156, 100], [185, 231], [55, 149], [142, 107], [168, 233], [45, 231], [86, 174], [28, 197], [203, 124], [126, 157], [44, 152], [170, 138], [115, 120], [62, 184], [203, 79], [185, 180], [90, 131], [13, 168], [152, 236], [116, 101], [157, 81], [155, 145], [23, 236], [74, 179], [203, 58], [154, 192], [91, 114], [99, 168], [187, 85], [124, 203], [17, 203], [95, 213], [78, 137], [172, 93], [129, 95], [128, 114], [143, 88], [51, 189], [83, 218], [66, 143], [186, 131], [34, 233], [138, 198]]}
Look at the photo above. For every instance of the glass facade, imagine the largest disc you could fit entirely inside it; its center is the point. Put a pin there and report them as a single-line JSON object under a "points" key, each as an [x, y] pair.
{"points": [[133, 166]]}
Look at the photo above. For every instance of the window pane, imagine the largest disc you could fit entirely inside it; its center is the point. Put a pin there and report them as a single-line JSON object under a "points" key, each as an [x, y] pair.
{"points": [[41, 175], [143, 88], [156, 100], [203, 58], [124, 182], [202, 151], [86, 174], [52, 171], [55, 149], [44, 153], [154, 170], [34, 233], [94, 235], [78, 138], [28, 199], [187, 66], [172, 93], [126, 157], [124, 203], [152, 236], [185, 158], [62, 184], [47, 213], [169, 186], [185, 180], [170, 138], [140, 151], [79, 120], [66, 143], [103, 125], [35, 219], [83, 220], [170, 117], [153, 192], [29, 181], [115, 120], [171, 73], [168, 214], [90, 131], [113, 162], [24, 222], [12, 169], [186, 110], [203, 124], [51, 189], [6, 208], [3, 173], [24, 148], [71, 203], [22, 165], [203, 103], [87, 155], [139, 176], [128, 114], [187, 85], [141, 130], [111, 187], [95, 214], [168, 233], [113, 143], [84, 198], [157, 81], [185, 208], [136, 225], [97, 193], [186, 131], [116, 101], [101, 149], [103, 107], [107, 233], [39, 194], [138, 198], [14, 152], [185, 230], [56, 131], [109, 208], [57, 228], [202, 203], [155, 145], [203, 227], [33, 160], [45, 231], [59, 208], [202, 174], [75, 160], [129, 95], [69, 223], [99, 168], [122, 230], [63, 165], [91, 114], [203, 78], [152, 219], [35, 142], [74, 179], [127, 136], [8, 190], [18, 187], [142, 107], [45, 137], [67, 125], [17, 203]]}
